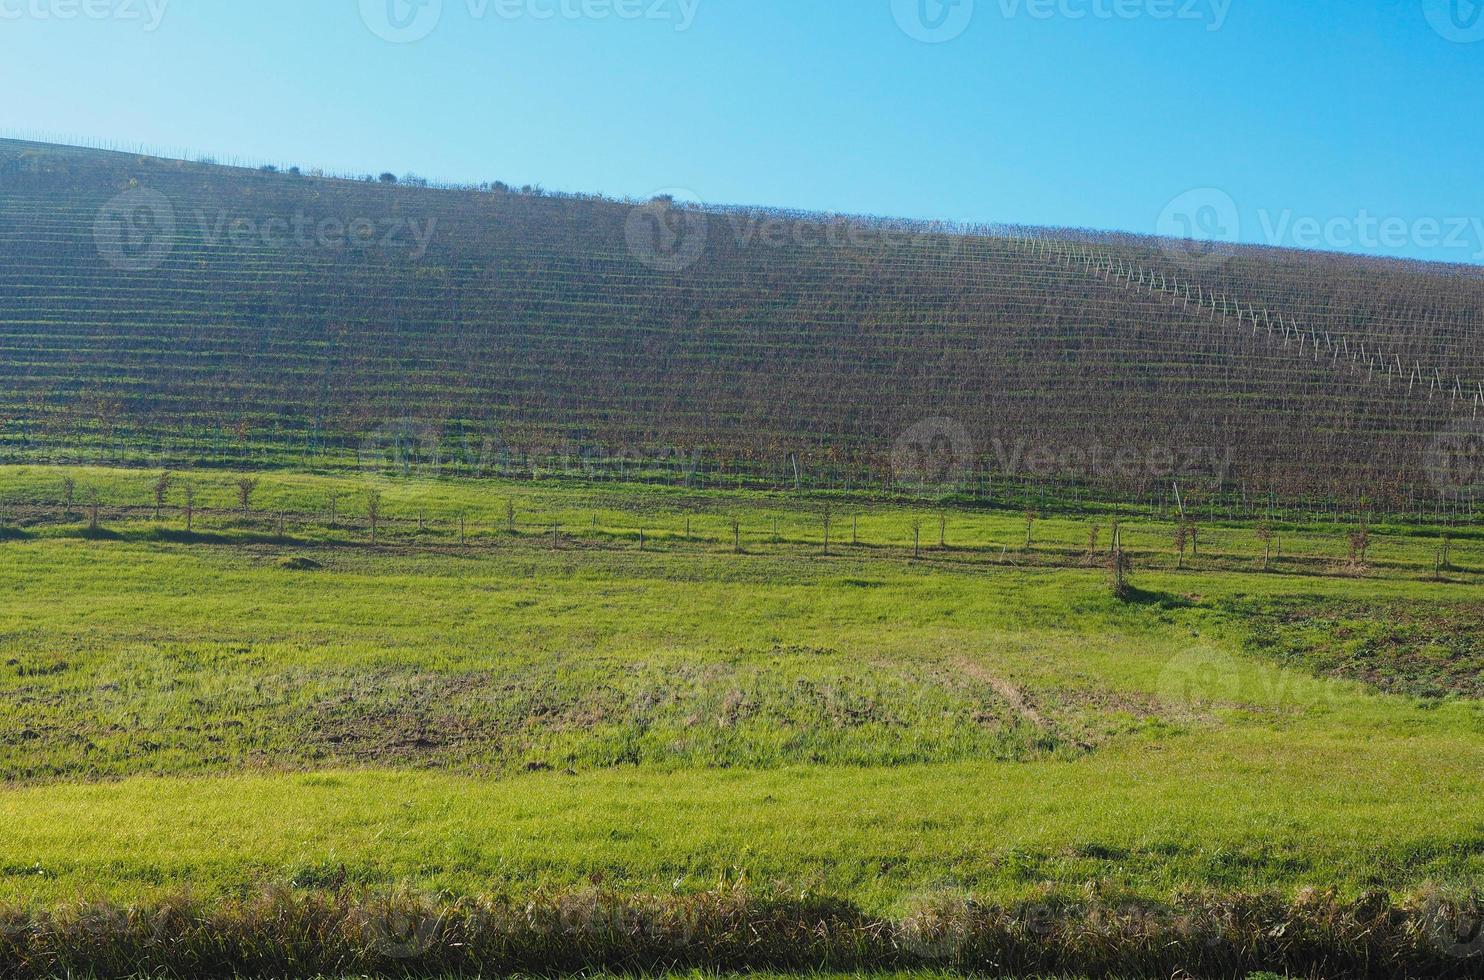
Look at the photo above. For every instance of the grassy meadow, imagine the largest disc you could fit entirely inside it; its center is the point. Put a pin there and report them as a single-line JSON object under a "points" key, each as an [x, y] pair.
{"points": [[674, 693]]}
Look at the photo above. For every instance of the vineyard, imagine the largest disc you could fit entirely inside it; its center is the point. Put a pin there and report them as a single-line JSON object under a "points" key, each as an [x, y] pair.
{"points": [[160, 312]]}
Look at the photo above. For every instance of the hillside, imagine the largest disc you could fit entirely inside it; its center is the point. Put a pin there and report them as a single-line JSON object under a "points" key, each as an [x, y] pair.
{"points": [[157, 311]]}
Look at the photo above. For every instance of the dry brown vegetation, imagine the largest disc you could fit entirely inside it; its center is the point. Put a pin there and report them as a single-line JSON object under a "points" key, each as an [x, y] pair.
{"points": [[336, 931]]}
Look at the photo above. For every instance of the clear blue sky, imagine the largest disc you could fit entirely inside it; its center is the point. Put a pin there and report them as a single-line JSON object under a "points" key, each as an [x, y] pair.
{"points": [[1329, 110]]}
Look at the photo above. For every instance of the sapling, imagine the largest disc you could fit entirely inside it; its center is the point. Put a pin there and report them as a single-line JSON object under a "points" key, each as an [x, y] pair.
{"points": [[245, 489], [373, 511], [1360, 544], [162, 490]]}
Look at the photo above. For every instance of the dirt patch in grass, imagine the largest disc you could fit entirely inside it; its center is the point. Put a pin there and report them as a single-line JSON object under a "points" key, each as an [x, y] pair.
{"points": [[1013, 696], [1421, 649], [186, 708], [706, 714], [393, 717]]}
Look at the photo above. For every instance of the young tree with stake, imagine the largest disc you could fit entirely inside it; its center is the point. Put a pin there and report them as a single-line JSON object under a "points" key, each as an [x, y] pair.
{"points": [[246, 486], [373, 511], [1265, 535], [162, 489]]}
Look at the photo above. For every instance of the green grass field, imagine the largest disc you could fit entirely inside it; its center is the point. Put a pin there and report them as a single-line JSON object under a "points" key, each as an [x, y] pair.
{"points": [[230, 709]]}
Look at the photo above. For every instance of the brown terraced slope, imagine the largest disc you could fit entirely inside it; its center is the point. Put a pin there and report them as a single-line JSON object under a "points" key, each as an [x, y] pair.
{"points": [[168, 312]]}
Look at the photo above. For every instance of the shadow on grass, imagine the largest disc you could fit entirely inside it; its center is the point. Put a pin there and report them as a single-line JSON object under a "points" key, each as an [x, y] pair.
{"points": [[13, 534], [180, 536], [1136, 596], [190, 537]]}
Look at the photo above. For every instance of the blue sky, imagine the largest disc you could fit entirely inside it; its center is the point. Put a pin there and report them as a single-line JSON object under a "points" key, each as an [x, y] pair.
{"points": [[1302, 122]]}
